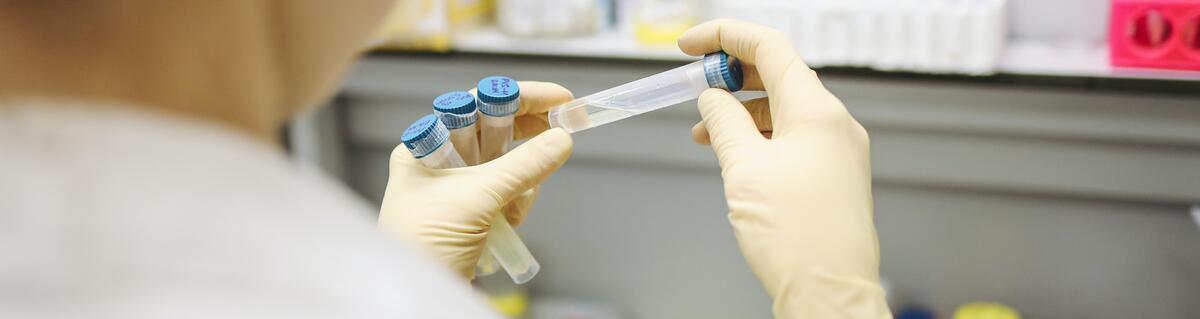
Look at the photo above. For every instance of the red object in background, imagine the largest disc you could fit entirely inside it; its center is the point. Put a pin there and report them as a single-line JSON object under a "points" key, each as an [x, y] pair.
{"points": [[1155, 34]]}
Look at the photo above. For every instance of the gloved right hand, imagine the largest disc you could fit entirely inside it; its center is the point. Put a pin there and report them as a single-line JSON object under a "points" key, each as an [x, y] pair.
{"points": [[797, 177]]}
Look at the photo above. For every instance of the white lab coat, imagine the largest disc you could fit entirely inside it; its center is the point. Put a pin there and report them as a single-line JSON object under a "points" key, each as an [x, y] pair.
{"points": [[115, 213]]}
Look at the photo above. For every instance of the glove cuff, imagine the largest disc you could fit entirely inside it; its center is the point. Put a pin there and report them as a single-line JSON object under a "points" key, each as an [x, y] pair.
{"points": [[822, 294]]}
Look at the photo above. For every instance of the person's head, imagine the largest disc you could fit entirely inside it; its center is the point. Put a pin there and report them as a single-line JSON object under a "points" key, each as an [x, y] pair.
{"points": [[249, 63]]}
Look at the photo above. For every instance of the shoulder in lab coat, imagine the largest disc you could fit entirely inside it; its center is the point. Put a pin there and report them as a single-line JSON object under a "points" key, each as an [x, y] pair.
{"points": [[109, 212]]}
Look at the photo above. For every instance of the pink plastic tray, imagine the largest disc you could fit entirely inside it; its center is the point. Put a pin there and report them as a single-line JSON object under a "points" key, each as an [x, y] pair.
{"points": [[1155, 34]]}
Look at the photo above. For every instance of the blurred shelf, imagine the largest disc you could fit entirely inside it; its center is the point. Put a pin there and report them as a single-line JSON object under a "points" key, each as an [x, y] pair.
{"points": [[1075, 60], [1022, 57], [605, 45]]}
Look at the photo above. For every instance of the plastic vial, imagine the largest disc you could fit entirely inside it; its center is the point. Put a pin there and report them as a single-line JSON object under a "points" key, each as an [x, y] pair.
{"points": [[457, 111], [429, 141], [499, 98], [682, 84], [498, 101]]}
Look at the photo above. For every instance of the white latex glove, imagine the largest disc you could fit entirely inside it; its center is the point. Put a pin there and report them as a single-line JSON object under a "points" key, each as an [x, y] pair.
{"points": [[448, 211], [797, 177]]}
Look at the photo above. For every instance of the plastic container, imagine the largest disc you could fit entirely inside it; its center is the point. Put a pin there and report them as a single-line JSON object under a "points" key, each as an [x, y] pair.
{"points": [[661, 22], [429, 141], [1155, 34], [552, 18], [932, 36], [498, 99], [715, 70], [457, 111], [985, 310]]}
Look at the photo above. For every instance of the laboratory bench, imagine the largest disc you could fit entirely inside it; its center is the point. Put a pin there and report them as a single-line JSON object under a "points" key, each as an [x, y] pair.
{"points": [[1062, 195]]}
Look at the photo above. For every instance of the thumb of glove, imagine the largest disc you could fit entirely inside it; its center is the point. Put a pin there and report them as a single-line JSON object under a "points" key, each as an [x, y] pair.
{"points": [[730, 126], [526, 166]]}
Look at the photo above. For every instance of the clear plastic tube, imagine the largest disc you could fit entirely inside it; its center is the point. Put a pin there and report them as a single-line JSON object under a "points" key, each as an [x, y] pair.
{"points": [[715, 70], [466, 142], [443, 157], [429, 141], [495, 133], [459, 112], [498, 98]]}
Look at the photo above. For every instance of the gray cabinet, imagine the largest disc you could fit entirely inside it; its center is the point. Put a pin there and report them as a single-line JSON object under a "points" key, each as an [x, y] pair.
{"points": [[1064, 202]]}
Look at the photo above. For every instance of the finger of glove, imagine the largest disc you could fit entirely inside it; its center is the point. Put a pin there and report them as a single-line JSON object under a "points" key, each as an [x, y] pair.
{"points": [[529, 125], [730, 127], [768, 50], [760, 111], [538, 97], [805, 104], [518, 208], [796, 93], [401, 155], [402, 165], [751, 81], [526, 166]]}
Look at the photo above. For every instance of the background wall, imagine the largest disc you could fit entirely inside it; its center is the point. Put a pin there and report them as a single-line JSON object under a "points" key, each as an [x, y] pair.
{"points": [[1062, 197], [1057, 199], [1059, 20]]}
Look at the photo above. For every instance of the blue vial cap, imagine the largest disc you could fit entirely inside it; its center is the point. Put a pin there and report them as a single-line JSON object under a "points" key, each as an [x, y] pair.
{"points": [[456, 109], [457, 102], [425, 136], [723, 71], [498, 94], [915, 313]]}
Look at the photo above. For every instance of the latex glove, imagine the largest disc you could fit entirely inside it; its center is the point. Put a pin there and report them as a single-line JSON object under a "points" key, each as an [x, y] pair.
{"points": [[537, 98], [448, 211], [797, 177]]}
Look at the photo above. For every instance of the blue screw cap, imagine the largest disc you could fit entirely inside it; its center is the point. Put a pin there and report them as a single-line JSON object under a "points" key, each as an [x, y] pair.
{"points": [[425, 136], [498, 95], [456, 102], [456, 109], [723, 71], [915, 313]]}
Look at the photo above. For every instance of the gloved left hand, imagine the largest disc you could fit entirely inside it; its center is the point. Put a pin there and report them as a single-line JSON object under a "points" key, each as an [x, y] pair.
{"points": [[448, 211]]}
